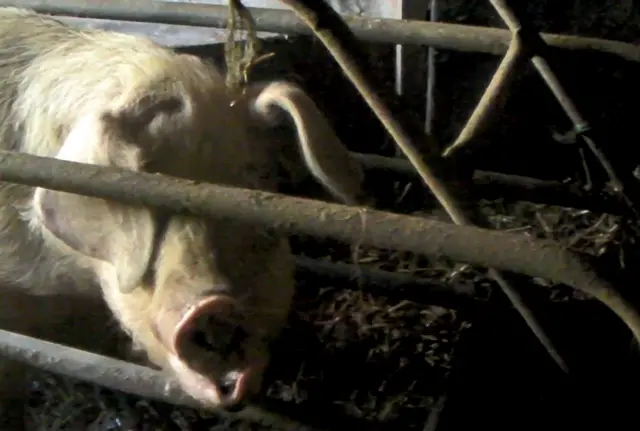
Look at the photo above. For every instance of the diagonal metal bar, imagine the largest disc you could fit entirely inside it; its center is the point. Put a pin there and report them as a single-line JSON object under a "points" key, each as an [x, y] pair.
{"points": [[480, 247], [485, 108], [439, 35], [496, 88]]}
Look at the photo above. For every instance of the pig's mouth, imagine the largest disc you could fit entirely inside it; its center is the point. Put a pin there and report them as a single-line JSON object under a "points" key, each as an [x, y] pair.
{"points": [[206, 347], [228, 393]]}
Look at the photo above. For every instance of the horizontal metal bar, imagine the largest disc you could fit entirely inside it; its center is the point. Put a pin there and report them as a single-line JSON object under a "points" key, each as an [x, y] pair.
{"points": [[396, 284], [520, 187], [148, 383], [438, 35], [289, 214], [482, 247], [118, 375]]}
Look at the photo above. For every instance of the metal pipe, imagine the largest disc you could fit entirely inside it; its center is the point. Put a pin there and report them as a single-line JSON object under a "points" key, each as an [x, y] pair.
{"points": [[438, 35], [396, 284], [510, 187], [118, 375], [467, 244], [296, 215]]}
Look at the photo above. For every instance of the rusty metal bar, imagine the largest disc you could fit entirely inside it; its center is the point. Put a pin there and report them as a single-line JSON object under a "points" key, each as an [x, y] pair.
{"points": [[119, 375], [481, 247], [438, 35]]}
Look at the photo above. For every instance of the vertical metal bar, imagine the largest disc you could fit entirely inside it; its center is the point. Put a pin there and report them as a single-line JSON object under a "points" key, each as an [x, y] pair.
{"points": [[434, 15], [410, 79]]}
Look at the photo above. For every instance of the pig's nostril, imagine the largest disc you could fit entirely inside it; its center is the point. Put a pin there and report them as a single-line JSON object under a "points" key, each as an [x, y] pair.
{"points": [[202, 340], [223, 336], [228, 383], [231, 388]]}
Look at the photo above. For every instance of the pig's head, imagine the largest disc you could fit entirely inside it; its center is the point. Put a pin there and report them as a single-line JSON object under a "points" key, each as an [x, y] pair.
{"points": [[202, 298]]}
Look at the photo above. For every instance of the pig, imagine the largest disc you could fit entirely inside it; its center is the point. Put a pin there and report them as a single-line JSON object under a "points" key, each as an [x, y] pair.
{"points": [[201, 299]]}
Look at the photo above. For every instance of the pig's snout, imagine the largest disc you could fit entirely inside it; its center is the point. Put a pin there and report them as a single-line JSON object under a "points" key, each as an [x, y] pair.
{"points": [[209, 346]]}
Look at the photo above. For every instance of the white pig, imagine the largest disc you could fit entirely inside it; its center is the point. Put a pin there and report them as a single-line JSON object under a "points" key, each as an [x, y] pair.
{"points": [[202, 298]]}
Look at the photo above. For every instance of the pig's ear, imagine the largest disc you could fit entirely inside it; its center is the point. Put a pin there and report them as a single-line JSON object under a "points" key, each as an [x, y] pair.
{"points": [[105, 230], [324, 154]]}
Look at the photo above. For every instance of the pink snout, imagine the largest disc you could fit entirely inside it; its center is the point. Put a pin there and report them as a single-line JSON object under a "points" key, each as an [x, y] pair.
{"points": [[209, 352]]}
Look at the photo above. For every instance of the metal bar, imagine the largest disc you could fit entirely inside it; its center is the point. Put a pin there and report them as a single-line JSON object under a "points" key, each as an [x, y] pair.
{"points": [[524, 40], [468, 244], [537, 46], [406, 55], [148, 383], [118, 375], [398, 284], [432, 53], [495, 90], [510, 187], [439, 35], [292, 215]]}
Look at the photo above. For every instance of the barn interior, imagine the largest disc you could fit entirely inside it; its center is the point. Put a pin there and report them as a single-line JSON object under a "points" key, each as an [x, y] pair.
{"points": [[385, 339]]}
